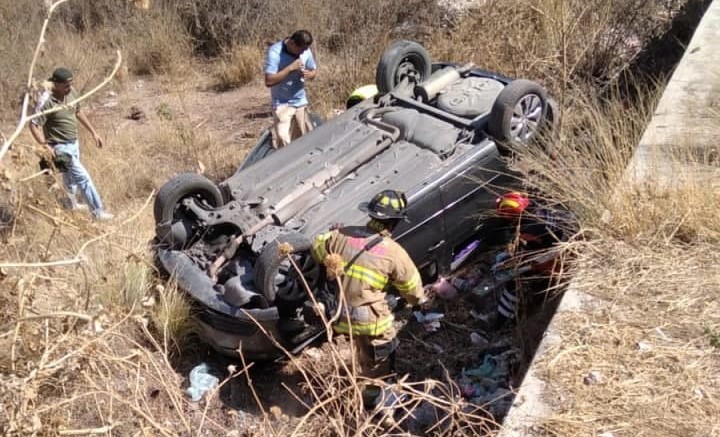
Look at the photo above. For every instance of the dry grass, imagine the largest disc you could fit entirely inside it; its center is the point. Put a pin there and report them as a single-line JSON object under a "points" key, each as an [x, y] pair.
{"points": [[647, 257], [241, 66], [558, 41], [83, 349], [650, 336]]}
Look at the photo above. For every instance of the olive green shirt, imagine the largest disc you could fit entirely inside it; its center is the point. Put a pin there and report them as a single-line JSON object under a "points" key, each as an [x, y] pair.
{"points": [[60, 126]]}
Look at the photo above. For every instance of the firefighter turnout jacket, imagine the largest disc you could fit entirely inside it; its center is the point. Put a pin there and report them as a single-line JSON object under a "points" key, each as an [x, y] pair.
{"points": [[369, 270]]}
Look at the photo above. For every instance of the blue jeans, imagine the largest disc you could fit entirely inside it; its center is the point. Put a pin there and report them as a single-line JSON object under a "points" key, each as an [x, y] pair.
{"points": [[77, 176]]}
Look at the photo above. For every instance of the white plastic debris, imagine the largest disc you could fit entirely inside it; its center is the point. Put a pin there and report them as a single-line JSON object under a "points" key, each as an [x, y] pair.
{"points": [[201, 381], [593, 378], [661, 334], [314, 353], [643, 347], [431, 321], [479, 339]]}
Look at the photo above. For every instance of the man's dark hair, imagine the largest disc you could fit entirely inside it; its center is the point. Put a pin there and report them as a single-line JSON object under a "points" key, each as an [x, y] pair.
{"points": [[302, 38]]}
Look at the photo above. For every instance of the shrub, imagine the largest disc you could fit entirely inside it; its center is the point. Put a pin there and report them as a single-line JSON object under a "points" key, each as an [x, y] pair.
{"points": [[242, 65]]}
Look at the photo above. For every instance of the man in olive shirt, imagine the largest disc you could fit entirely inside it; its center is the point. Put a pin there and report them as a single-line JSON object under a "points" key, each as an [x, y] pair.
{"points": [[59, 134]]}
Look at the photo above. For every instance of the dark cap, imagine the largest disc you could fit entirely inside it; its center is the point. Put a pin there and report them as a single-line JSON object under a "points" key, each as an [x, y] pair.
{"points": [[61, 75]]}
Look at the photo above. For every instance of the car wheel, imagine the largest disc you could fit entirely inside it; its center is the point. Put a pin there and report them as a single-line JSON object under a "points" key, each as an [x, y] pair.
{"points": [[275, 275], [518, 113], [175, 224], [402, 60]]}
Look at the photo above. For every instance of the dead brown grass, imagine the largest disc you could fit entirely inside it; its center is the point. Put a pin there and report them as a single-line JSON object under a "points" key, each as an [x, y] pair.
{"points": [[650, 337], [84, 349], [647, 258], [241, 66]]}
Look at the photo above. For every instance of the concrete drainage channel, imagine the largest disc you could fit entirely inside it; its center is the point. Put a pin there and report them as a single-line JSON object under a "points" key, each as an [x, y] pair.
{"points": [[690, 92]]}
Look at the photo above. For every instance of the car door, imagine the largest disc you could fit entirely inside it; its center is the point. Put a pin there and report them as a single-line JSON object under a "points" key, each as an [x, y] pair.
{"points": [[423, 234], [468, 196]]}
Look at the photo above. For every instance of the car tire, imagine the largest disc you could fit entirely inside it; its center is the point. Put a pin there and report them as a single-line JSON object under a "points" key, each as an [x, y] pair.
{"points": [[400, 59], [168, 215], [518, 114], [271, 263]]}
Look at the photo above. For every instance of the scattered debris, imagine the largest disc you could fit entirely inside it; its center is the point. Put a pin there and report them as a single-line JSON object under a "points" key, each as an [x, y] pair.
{"points": [[201, 381], [593, 378], [148, 301], [137, 114], [661, 334], [643, 347], [7, 217], [699, 393], [478, 339], [430, 321], [451, 288], [314, 353]]}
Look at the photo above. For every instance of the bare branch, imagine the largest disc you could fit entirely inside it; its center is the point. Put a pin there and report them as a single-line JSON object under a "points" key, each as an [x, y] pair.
{"points": [[33, 176], [64, 262]]}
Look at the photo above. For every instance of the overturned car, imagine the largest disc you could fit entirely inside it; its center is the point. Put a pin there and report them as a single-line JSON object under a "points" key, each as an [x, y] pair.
{"points": [[436, 131]]}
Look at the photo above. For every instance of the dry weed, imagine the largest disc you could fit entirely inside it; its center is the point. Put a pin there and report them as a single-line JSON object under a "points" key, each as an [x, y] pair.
{"points": [[650, 340], [639, 361], [241, 66], [80, 352]]}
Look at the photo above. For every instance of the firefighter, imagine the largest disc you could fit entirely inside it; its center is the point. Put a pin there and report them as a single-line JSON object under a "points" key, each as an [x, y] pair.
{"points": [[367, 262], [532, 252]]}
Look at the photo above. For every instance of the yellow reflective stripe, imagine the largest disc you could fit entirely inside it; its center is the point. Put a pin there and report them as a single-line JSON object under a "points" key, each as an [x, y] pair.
{"points": [[410, 285], [368, 276], [319, 246], [373, 328]]}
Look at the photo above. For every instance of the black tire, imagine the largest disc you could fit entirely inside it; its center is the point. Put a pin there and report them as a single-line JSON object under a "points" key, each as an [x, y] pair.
{"points": [[276, 277], [403, 58], [167, 208], [518, 114]]}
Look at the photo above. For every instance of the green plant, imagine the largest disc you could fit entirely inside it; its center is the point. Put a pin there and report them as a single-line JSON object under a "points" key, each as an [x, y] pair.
{"points": [[713, 336]]}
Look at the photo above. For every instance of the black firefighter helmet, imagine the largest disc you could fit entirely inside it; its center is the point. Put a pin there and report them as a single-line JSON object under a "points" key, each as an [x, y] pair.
{"points": [[386, 205]]}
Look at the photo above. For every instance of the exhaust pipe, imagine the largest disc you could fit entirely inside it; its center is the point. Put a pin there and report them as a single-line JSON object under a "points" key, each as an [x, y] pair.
{"points": [[438, 81]]}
